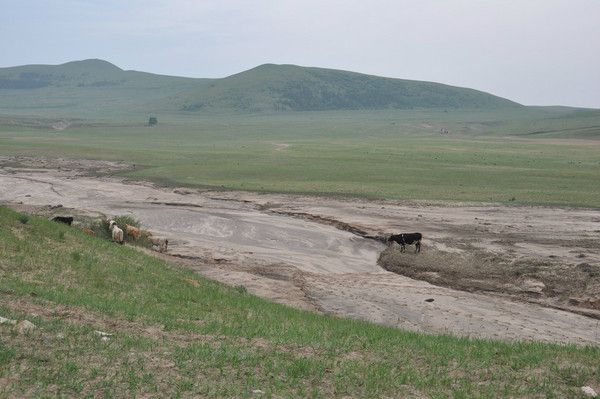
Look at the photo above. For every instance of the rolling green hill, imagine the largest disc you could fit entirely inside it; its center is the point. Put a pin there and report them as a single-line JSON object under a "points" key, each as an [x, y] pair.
{"points": [[81, 74], [92, 87], [87, 89], [293, 88]]}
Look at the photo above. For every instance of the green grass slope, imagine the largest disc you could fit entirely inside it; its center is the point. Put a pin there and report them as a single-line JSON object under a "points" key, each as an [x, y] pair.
{"points": [[82, 74], [272, 87], [94, 87], [175, 334], [88, 89]]}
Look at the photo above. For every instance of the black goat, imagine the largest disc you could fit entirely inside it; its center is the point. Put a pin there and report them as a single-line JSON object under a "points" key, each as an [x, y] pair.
{"points": [[63, 219]]}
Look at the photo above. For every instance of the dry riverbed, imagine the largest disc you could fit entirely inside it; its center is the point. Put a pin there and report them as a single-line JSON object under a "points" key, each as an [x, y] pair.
{"points": [[490, 271]]}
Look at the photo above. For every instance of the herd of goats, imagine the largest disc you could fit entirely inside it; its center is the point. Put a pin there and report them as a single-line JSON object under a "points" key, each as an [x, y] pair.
{"points": [[118, 235]]}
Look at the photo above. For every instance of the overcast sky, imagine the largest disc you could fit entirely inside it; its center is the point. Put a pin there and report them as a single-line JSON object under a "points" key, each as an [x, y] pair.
{"points": [[542, 52]]}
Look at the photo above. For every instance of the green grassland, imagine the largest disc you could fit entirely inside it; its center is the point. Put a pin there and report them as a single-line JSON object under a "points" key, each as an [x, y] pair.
{"points": [[176, 334], [530, 155]]}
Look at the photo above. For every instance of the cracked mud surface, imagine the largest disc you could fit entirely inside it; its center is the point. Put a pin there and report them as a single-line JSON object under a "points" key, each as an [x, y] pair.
{"points": [[311, 253]]}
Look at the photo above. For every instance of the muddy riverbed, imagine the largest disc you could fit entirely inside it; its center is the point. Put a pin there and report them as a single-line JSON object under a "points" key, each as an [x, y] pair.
{"points": [[310, 252]]}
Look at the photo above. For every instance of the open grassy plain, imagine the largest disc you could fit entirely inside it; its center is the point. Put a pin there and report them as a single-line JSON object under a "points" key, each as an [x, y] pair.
{"points": [[525, 155], [174, 333]]}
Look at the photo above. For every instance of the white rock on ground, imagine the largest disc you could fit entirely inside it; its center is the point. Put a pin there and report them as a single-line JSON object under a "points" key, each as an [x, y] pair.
{"points": [[104, 336], [25, 326], [4, 320], [534, 286], [589, 392]]}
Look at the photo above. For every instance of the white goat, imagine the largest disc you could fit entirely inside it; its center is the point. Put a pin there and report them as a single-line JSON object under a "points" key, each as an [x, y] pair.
{"points": [[117, 233]]}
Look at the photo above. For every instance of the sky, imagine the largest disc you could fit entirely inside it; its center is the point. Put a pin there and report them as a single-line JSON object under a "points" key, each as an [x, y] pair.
{"points": [[536, 52]]}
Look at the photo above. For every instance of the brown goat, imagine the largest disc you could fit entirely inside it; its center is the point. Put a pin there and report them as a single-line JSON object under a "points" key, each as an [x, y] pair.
{"points": [[88, 231], [133, 231], [159, 244]]}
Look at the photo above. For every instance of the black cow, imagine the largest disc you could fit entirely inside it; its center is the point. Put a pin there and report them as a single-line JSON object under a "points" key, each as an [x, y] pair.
{"points": [[407, 239], [63, 219]]}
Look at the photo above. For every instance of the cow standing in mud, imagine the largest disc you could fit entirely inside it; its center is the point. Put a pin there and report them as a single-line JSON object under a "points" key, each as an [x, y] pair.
{"points": [[407, 239]]}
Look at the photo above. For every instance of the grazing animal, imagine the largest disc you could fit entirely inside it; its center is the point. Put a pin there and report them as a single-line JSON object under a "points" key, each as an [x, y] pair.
{"points": [[63, 219], [117, 233], [159, 244], [407, 239], [133, 231], [88, 231]]}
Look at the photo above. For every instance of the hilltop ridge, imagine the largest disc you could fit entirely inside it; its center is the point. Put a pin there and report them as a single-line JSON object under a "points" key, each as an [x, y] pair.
{"points": [[99, 85], [296, 88]]}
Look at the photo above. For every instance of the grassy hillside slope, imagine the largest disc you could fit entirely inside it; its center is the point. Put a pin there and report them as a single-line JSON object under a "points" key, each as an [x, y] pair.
{"points": [[272, 87], [176, 334], [94, 87], [88, 89], [84, 74]]}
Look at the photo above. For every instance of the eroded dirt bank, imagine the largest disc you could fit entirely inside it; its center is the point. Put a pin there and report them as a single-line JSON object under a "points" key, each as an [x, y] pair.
{"points": [[296, 250]]}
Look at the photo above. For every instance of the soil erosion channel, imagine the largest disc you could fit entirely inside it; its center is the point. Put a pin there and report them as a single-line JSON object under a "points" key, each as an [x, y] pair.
{"points": [[276, 247]]}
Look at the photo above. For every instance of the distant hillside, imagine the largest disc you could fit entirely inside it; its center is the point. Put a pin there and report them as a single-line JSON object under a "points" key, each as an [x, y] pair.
{"points": [[92, 86], [81, 74], [88, 89], [295, 88]]}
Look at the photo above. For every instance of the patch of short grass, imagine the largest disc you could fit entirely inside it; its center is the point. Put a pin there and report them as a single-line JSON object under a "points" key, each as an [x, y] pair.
{"points": [[173, 338]]}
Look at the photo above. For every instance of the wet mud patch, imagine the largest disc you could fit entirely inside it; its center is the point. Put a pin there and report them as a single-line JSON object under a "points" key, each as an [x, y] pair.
{"points": [[548, 281]]}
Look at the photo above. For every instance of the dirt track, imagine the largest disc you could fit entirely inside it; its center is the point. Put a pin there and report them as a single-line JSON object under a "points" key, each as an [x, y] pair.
{"points": [[291, 248]]}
